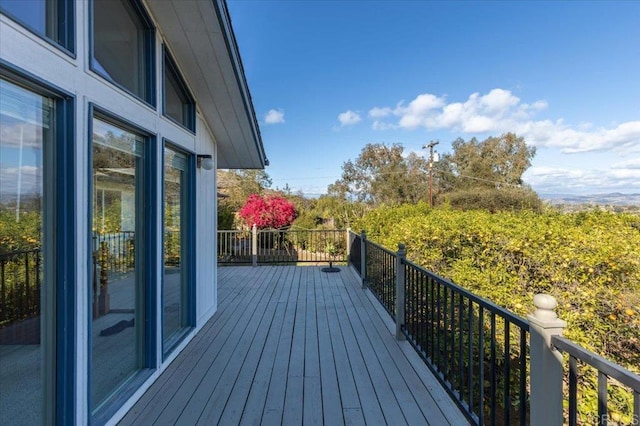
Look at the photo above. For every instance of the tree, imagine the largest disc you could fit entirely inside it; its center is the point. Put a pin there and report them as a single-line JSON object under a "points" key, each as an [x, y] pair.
{"points": [[383, 174], [493, 162], [488, 175], [237, 185], [267, 212]]}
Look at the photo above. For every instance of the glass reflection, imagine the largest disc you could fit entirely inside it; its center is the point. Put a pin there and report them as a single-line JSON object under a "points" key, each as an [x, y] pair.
{"points": [[177, 104], [118, 289], [174, 290], [39, 15], [25, 128], [121, 41]]}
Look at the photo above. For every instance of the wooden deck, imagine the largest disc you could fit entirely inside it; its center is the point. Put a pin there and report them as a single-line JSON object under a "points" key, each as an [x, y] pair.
{"points": [[293, 345]]}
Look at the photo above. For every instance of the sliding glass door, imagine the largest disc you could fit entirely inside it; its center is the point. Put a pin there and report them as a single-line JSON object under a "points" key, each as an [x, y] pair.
{"points": [[176, 306], [118, 261], [27, 319]]}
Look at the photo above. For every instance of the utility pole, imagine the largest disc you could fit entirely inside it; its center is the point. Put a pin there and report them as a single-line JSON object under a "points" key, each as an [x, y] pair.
{"points": [[430, 146]]}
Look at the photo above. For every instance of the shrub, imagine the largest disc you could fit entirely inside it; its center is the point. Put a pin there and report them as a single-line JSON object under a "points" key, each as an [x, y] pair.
{"points": [[268, 212]]}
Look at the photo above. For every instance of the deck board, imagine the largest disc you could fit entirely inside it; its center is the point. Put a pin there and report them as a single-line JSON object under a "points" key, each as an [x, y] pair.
{"points": [[328, 378], [294, 345], [257, 388]]}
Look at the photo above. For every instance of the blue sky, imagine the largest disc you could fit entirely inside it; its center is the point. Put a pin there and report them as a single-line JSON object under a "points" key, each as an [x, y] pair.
{"points": [[328, 77]]}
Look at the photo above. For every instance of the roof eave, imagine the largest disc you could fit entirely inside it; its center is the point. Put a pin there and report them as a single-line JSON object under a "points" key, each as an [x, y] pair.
{"points": [[201, 40]]}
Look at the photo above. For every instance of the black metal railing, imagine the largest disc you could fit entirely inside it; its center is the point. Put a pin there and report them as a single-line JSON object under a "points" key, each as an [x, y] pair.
{"points": [[612, 378], [20, 276], [275, 246], [478, 350], [381, 275], [115, 252], [21, 273]]}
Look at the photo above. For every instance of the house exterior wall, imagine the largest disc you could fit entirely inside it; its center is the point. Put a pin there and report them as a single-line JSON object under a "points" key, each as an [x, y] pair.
{"points": [[206, 237], [27, 53]]}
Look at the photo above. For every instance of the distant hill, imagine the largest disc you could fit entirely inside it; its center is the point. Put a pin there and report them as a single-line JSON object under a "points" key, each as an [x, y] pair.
{"points": [[612, 199]]}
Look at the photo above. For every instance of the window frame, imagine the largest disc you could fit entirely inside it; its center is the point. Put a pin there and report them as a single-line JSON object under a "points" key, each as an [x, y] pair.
{"points": [[66, 19], [60, 183], [149, 56], [169, 64], [188, 239], [149, 268]]}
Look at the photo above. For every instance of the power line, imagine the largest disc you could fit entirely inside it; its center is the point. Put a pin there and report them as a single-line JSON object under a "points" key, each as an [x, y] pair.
{"points": [[404, 172]]}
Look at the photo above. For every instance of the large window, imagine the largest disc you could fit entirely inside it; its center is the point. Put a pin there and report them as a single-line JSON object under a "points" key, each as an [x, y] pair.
{"points": [[52, 19], [178, 255], [178, 104], [27, 255], [119, 265], [123, 46]]}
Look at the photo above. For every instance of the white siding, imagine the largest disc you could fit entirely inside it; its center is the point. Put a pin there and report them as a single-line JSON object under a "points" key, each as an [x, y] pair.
{"points": [[30, 53], [206, 218]]}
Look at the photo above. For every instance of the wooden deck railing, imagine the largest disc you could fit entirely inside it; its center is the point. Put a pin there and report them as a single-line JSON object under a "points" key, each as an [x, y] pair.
{"points": [[276, 246]]}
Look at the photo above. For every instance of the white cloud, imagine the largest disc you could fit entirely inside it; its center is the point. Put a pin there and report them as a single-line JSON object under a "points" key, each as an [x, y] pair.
{"points": [[633, 163], [587, 181], [30, 180], [381, 125], [419, 111], [349, 118], [274, 116], [26, 135], [376, 112], [417, 152], [500, 111]]}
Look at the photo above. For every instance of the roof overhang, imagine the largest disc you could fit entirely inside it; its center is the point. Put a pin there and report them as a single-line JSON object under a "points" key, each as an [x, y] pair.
{"points": [[202, 43]]}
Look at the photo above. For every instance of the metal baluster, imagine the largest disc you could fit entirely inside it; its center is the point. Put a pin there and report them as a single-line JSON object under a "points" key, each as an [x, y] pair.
{"points": [[447, 332], [460, 345], [437, 359], [507, 373], [523, 376], [432, 315], [27, 284], [573, 391], [470, 356], [602, 399], [494, 383], [481, 356]]}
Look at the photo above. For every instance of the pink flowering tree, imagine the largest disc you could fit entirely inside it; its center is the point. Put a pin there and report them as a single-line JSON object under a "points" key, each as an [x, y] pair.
{"points": [[270, 211]]}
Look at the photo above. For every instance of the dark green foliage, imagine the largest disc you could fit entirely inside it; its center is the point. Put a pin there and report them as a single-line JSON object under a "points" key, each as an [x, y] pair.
{"points": [[382, 174], [492, 163], [494, 200], [226, 216], [483, 175]]}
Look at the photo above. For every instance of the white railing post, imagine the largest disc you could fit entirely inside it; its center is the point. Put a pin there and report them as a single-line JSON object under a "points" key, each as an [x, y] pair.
{"points": [[363, 258], [348, 246], [254, 245], [546, 362], [401, 255]]}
